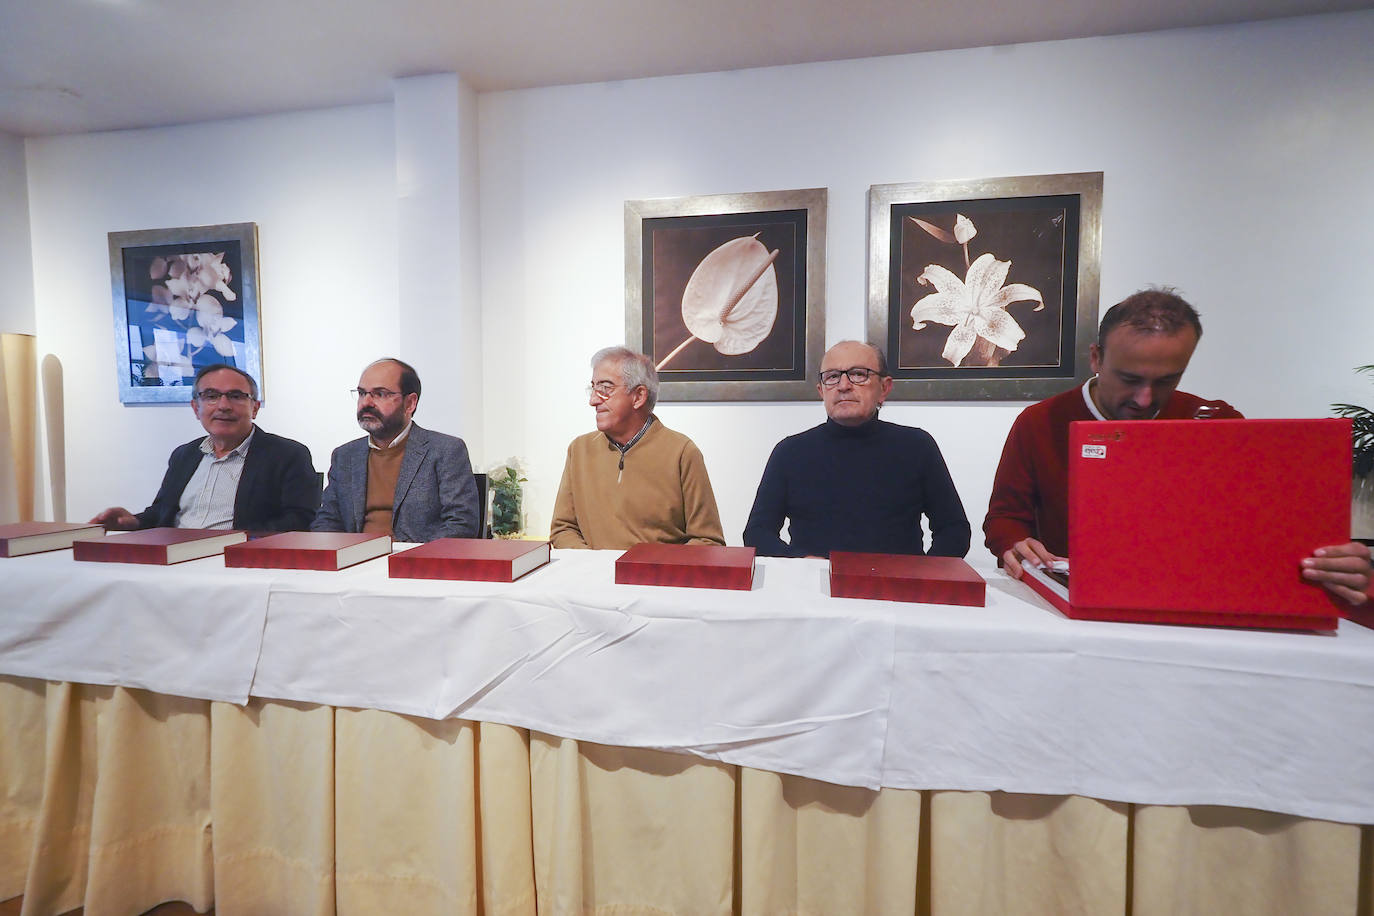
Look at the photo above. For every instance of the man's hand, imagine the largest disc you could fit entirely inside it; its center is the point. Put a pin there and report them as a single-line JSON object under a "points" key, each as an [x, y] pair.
{"points": [[1030, 550], [1343, 570], [116, 518]]}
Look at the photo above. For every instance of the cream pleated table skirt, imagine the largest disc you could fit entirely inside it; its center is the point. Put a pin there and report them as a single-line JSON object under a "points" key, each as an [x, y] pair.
{"points": [[117, 800]]}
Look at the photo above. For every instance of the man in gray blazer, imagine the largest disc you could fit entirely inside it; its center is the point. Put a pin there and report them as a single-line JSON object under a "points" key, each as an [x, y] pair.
{"points": [[400, 479]]}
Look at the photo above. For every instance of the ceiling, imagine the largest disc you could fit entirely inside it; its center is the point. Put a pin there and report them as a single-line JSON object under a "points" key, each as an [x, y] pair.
{"points": [[69, 66]]}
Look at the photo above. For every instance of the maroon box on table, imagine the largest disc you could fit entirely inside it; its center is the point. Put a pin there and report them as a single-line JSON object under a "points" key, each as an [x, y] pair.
{"points": [[899, 577], [689, 565], [471, 559], [323, 550], [157, 546], [23, 538]]}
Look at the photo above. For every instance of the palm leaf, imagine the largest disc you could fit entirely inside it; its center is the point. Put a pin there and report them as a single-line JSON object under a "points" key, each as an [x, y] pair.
{"points": [[1361, 431]]}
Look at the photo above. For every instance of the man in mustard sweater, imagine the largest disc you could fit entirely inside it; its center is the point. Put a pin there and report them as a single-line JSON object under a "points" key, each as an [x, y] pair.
{"points": [[633, 480]]}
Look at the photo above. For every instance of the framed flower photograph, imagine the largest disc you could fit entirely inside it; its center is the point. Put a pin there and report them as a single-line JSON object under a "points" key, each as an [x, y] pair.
{"points": [[986, 289], [726, 293], [183, 299]]}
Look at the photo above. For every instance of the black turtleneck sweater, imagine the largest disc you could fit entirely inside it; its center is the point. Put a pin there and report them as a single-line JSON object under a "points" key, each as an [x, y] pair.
{"points": [[859, 488]]}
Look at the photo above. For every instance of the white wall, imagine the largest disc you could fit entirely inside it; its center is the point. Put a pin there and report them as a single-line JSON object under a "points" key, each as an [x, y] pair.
{"points": [[16, 263], [438, 249], [1236, 161], [321, 187], [1236, 166]]}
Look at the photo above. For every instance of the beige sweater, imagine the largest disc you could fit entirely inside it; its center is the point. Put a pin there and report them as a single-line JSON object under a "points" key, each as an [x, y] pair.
{"points": [[663, 496]]}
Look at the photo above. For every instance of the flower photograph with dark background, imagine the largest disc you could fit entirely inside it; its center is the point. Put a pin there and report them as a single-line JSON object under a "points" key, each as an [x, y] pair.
{"points": [[728, 294], [982, 282], [985, 288], [184, 299]]}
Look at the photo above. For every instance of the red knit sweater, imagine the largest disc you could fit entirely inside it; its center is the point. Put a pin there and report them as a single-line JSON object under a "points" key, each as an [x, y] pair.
{"points": [[1030, 494]]}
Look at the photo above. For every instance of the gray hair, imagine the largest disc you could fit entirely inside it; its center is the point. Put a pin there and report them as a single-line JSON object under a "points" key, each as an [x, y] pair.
{"points": [[635, 369]]}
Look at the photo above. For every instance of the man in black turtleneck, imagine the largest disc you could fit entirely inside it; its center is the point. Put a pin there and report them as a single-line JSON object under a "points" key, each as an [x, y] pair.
{"points": [[855, 482]]}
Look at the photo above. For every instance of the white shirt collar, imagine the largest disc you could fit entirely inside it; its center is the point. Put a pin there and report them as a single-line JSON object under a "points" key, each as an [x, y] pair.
{"points": [[1088, 399], [401, 437], [1092, 405]]}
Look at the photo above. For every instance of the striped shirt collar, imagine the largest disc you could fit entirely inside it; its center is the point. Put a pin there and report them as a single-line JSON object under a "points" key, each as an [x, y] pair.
{"points": [[241, 449]]}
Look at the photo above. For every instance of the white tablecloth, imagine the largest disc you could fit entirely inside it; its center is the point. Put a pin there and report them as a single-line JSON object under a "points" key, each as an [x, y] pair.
{"points": [[193, 629], [1010, 697]]}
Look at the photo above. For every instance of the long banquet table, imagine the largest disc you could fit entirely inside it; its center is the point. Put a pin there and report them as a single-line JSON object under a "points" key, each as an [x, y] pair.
{"points": [[302, 742]]}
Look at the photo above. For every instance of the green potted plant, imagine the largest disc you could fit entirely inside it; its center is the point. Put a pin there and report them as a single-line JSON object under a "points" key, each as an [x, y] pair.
{"points": [[1362, 445], [507, 517]]}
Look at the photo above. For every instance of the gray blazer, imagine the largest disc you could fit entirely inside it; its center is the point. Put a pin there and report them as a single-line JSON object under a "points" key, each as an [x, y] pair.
{"points": [[436, 496]]}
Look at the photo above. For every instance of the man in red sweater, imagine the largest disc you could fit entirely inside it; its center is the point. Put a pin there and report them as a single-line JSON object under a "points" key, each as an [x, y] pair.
{"points": [[1143, 347]]}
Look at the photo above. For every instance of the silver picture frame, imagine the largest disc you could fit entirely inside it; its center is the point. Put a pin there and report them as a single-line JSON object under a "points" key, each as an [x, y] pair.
{"points": [[667, 239], [1040, 234], [183, 298]]}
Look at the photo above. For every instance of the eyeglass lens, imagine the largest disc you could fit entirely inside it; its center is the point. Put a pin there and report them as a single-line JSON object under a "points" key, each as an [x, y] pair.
{"points": [[211, 396], [858, 375]]}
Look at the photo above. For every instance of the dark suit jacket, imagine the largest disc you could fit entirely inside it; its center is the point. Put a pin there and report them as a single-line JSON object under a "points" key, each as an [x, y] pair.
{"points": [[278, 490], [436, 495]]}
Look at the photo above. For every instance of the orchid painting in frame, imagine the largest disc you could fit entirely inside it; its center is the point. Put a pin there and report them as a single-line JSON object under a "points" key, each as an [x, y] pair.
{"points": [[985, 289], [183, 299]]}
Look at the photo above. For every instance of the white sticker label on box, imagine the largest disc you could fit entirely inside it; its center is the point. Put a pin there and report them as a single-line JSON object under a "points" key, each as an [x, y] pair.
{"points": [[1094, 451]]}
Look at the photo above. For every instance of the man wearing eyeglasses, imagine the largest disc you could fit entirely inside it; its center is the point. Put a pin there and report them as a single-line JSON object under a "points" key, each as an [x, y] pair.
{"points": [[856, 482], [400, 479], [634, 480], [237, 476]]}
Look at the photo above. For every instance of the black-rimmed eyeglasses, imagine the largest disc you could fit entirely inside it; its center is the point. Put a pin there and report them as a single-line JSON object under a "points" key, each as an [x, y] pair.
{"points": [[858, 375], [377, 394], [211, 396]]}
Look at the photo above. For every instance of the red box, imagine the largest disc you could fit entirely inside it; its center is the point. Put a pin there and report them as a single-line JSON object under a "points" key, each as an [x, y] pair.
{"points": [[1205, 522], [23, 538], [324, 550], [1059, 596], [157, 546], [902, 577], [470, 559], [688, 565]]}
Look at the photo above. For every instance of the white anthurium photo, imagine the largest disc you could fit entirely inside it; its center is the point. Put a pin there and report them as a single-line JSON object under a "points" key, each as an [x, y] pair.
{"points": [[731, 300]]}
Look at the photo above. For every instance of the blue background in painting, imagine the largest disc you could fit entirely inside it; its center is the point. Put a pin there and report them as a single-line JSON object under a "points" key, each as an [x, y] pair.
{"points": [[138, 295]]}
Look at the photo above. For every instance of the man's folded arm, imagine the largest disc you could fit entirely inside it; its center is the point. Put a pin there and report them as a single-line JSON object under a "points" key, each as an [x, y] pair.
{"points": [[950, 531], [1011, 509], [457, 492], [163, 510], [563, 530], [699, 500], [330, 517], [299, 496], [763, 529]]}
